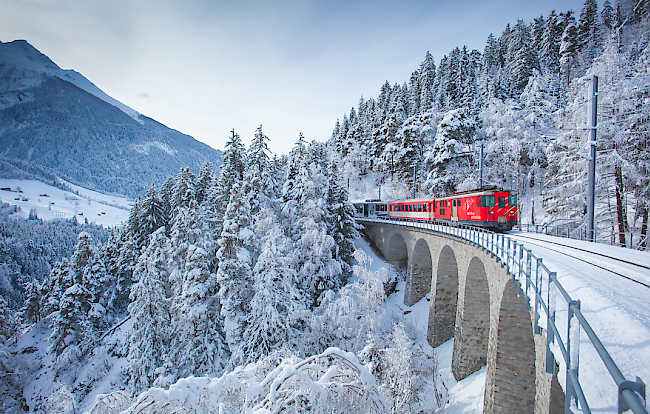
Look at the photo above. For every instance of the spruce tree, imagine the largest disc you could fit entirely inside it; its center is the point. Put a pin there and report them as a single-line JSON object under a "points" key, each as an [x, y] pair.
{"points": [[234, 274], [151, 216], [198, 346], [607, 15], [151, 315], [184, 190], [277, 308], [203, 182], [342, 226]]}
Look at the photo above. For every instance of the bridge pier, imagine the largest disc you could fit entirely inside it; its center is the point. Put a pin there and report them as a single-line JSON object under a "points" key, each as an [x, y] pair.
{"points": [[475, 301]]}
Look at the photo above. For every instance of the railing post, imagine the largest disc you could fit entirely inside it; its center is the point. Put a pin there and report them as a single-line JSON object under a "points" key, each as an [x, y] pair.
{"points": [[550, 321], [519, 265], [528, 277], [573, 350], [538, 293]]}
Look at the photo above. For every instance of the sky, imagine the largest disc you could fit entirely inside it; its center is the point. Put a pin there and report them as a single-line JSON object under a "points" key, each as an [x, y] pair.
{"points": [[205, 67]]}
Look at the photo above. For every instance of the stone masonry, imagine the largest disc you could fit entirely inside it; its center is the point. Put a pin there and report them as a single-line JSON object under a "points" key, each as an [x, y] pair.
{"points": [[475, 301]]}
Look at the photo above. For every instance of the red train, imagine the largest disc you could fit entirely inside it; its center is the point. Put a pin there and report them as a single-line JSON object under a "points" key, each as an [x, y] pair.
{"points": [[491, 208]]}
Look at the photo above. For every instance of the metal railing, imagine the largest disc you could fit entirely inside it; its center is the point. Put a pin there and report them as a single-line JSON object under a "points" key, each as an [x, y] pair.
{"points": [[611, 237], [541, 285]]}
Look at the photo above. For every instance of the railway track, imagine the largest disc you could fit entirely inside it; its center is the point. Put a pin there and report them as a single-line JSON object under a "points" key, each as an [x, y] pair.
{"points": [[544, 244]]}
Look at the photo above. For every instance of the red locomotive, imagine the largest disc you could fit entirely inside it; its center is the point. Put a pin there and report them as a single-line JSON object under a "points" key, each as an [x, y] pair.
{"points": [[491, 208]]}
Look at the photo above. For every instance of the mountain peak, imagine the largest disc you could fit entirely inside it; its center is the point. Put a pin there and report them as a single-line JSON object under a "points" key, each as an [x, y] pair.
{"points": [[22, 67]]}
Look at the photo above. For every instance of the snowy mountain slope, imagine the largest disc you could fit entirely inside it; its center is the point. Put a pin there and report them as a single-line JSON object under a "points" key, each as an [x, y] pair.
{"points": [[22, 67], [54, 203], [49, 122]]}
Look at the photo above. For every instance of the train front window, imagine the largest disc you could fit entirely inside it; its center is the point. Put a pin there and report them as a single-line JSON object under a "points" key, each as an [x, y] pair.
{"points": [[512, 200], [488, 201], [502, 202]]}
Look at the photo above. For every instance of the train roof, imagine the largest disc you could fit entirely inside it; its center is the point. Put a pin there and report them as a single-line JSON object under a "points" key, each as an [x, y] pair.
{"points": [[478, 191], [369, 202], [414, 200]]}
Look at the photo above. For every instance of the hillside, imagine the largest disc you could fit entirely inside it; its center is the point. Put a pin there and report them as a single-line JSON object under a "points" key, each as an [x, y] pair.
{"points": [[58, 121]]}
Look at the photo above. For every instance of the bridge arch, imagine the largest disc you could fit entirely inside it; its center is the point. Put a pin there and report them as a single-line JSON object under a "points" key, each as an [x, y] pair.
{"points": [[419, 273], [512, 360], [472, 323], [444, 299], [397, 250]]}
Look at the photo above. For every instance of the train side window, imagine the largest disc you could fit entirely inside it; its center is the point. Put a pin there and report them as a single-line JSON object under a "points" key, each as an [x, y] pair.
{"points": [[410, 208], [487, 201], [512, 200]]}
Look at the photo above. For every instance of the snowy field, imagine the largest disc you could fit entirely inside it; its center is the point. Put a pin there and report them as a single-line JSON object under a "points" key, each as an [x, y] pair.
{"points": [[54, 203]]}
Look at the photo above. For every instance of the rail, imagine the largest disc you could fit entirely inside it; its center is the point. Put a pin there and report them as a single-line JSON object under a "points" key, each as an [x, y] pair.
{"points": [[541, 285]]}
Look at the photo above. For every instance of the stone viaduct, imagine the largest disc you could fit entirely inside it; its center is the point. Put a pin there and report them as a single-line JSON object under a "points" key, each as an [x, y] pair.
{"points": [[475, 301]]}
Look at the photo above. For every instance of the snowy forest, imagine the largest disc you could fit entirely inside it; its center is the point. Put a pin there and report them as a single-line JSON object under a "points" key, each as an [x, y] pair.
{"points": [[222, 281], [215, 271], [525, 100]]}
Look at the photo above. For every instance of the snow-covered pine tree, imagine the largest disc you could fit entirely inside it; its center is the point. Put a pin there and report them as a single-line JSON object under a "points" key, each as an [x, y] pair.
{"points": [[198, 346], [203, 181], [427, 79], [151, 216], [261, 185], [589, 32], [234, 274], [72, 332], [150, 313], [318, 270], [191, 227], [100, 284], [232, 172], [341, 224], [118, 256], [31, 310], [607, 15], [185, 188], [277, 308], [550, 47], [522, 58], [167, 200], [60, 279], [569, 47], [9, 323], [449, 162]]}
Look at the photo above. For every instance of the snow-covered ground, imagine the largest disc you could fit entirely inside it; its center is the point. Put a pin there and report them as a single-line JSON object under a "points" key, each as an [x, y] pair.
{"points": [[465, 396], [54, 203], [615, 307]]}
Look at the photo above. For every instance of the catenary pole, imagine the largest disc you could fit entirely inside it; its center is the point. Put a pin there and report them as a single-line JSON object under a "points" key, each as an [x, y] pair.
{"points": [[591, 190]]}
